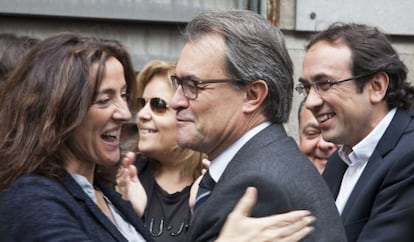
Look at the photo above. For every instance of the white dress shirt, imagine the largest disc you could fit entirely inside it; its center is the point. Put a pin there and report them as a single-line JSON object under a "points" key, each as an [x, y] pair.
{"points": [[218, 165], [358, 159]]}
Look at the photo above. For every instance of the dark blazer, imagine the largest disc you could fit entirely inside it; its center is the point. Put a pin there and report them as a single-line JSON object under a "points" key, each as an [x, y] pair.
{"points": [[36, 208], [384, 193], [286, 180]]}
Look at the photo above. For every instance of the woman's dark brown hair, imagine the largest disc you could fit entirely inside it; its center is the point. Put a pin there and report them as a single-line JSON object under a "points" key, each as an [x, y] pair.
{"points": [[47, 97]]}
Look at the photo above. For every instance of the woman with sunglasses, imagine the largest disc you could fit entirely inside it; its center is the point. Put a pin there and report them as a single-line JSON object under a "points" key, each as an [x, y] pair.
{"points": [[166, 171]]}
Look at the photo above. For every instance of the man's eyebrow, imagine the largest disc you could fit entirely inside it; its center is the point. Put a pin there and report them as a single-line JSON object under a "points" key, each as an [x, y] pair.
{"points": [[188, 77], [316, 78], [321, 77]]}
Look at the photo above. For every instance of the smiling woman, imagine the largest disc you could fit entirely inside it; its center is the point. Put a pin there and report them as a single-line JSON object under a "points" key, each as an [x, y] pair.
{"points": [[166, 170], [61, 114]]}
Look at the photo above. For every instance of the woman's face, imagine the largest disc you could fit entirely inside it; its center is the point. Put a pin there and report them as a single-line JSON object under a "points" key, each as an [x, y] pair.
{"points": [[157, 130], [98, 137]]}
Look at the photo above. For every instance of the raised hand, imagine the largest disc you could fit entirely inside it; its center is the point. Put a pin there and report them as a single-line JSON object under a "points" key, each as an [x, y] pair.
{"points": [[129, 186]]}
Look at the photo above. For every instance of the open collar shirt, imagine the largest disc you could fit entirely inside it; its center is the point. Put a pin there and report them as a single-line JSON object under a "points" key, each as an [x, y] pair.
{"points": [[357, 159]]}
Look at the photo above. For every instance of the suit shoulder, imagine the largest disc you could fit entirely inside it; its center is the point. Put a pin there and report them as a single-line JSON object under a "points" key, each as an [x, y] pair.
{"points": [[31, 188], [33, 183]]}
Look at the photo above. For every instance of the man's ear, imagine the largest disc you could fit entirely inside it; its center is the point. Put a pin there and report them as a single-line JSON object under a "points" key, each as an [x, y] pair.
{"points": [[256, 93], [378, 85]]}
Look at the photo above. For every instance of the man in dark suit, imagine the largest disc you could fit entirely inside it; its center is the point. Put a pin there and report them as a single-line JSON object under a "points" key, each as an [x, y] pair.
{"points": [[356, 88], [234, 92]]}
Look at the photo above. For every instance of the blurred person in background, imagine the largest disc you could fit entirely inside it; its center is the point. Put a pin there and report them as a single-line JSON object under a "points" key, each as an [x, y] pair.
{"points": [[12, 50], [311, 142]]}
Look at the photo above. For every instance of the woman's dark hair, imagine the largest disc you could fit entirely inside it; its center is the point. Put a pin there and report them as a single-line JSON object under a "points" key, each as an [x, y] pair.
{"points": [[47, 97]]}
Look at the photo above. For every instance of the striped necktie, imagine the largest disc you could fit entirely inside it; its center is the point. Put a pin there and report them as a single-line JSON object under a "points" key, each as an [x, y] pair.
{"points": [[205, 187]]}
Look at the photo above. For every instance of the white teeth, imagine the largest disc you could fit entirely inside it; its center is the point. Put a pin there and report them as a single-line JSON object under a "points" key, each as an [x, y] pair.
{"points": [[146, 131], [114, 133], [324, 117]]}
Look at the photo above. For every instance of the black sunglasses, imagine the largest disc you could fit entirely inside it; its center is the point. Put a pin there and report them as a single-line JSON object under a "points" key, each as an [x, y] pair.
{"points": [[158, 105]]}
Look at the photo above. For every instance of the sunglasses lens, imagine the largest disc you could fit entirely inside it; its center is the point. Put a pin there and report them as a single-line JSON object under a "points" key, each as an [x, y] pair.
{"points": [[158, 105]]}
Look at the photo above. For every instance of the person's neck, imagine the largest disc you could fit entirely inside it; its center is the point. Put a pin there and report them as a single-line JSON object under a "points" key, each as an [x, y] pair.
{"points": [[82, 168]]}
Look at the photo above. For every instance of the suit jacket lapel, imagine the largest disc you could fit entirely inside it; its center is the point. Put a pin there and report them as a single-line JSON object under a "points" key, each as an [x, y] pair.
{"points": [[82, 197], [126, 210], [336, 168], [333, 173], [358, 195], [394, 131], [387, 143]]}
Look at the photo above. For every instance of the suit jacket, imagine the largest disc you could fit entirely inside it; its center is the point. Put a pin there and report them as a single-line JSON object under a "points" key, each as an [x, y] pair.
{"points": [[286, 180], [384, 193], [36, 208]]}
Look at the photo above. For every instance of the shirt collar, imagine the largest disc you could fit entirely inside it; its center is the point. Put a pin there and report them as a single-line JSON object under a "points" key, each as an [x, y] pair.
{"points": [[222, 160], [85, 185], [363, 150]]}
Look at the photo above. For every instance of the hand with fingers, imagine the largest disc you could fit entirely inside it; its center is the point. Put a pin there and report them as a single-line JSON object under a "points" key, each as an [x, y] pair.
{"points": [[288, 227], [129, 186]]}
